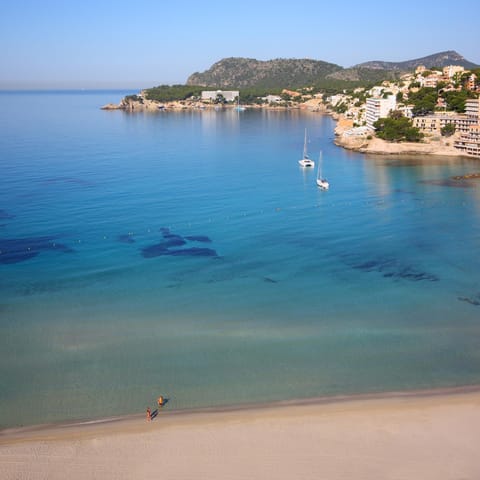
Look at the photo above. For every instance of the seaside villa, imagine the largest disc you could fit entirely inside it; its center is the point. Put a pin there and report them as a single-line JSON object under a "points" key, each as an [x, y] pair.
{"points": [[212, 95]]}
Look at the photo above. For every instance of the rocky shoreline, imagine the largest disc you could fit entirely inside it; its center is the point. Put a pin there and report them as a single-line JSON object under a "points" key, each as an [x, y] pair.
{"points": [[366, 142], [141, 104]]}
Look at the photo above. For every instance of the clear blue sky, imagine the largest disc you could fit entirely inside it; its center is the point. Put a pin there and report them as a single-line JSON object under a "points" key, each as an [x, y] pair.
{"points": [[137, 44]]}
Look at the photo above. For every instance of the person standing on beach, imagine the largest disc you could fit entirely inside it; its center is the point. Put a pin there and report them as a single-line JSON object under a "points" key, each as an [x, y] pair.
{"points": [[160, 401], [149, 414]]}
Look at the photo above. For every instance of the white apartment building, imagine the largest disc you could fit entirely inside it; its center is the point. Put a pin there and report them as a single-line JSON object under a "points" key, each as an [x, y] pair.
{"points": [[472, 108], [228, 95], [451, 70], [429, 81], [379, 108], [469, 142], [472, 82], [334, 100]]}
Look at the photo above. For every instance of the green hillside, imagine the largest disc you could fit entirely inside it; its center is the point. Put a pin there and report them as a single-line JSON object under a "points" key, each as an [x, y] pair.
{"points": [[271, 74]]}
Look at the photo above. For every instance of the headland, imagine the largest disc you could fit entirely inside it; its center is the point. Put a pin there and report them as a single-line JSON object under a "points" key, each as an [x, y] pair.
{"points": [[364, 141]]}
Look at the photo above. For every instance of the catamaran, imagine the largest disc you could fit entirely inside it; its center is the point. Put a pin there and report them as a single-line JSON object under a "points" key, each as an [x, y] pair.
{"points": [[306, 161], [321, 182]]}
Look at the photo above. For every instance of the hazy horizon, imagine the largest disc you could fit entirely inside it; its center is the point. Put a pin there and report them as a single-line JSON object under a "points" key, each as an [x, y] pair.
{"points": [[110, 45]]}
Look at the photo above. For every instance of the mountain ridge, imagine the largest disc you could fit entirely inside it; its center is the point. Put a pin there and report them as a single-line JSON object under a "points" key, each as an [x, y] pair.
{"points": [[246, 72], [440, 59], [241, 72]]}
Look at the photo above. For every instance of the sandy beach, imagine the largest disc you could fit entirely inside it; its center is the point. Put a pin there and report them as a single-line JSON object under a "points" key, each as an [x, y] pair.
{"points": [[426, 435]]}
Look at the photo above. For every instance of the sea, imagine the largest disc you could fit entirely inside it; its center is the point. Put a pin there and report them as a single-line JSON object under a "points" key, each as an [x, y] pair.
{"points": [[186, 254]]}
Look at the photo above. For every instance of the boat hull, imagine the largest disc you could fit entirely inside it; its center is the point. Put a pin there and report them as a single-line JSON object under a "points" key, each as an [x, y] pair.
{"points": [[306, 163], [323, 184]]}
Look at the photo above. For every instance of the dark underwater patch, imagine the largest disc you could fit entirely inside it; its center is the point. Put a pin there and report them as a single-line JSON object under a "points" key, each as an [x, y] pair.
{"points": [[174, 241], [171, 242], [402, 191], [473, 300], [154, 250], [4, 215], [269, 280], [390, 268], [449, 182], [194, 252], [16, 250], [126, 238], [159, 249]]}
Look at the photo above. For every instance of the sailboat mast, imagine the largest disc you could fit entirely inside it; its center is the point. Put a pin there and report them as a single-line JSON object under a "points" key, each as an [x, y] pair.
{"points": [[305, 145]]}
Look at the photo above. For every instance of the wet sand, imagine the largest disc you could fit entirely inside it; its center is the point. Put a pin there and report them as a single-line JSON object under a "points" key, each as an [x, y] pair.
{"points": [[427, 435]]}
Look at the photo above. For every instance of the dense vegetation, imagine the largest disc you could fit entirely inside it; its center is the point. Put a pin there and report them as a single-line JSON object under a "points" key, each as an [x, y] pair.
{"points": [[361, 76], [397, 128], [425, 99], [169, 93], [448, 130], [456, 100], [250, 73]]}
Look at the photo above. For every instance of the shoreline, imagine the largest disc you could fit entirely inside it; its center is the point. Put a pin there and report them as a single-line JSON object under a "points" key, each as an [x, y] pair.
{"points": [[145, 105], [429, 434], [432, 146], [370, 144], [89, 426]]}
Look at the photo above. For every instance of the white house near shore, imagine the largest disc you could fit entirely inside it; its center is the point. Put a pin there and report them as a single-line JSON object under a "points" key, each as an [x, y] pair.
{"points": [[228, 95], [272, 99]]}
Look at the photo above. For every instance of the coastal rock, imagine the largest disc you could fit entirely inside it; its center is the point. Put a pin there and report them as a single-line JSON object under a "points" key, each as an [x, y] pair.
{"points": [[112, 106], [368, 143]]}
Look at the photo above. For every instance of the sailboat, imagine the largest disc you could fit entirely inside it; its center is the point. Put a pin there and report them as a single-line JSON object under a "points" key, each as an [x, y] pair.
{"points": [[306, 161], [239, 108], [321, 182]]}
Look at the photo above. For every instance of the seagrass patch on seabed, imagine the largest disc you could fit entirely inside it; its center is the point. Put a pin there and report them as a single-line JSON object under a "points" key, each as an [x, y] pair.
{"points": [[457, 181], [472, 300], [15, 250], [170, 243], [392, 268], [4, 215]]}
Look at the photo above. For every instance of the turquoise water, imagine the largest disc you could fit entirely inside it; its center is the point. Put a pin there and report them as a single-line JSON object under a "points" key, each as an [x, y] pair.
{"points": [[187, 254]]}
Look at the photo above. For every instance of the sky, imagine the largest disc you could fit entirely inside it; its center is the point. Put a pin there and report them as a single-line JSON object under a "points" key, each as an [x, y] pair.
{"points": [[138, 44]]}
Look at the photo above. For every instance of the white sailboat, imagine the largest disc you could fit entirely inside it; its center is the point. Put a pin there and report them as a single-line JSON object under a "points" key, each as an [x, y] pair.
{"points": [[306, 161], [239, 108], [321, 182]]}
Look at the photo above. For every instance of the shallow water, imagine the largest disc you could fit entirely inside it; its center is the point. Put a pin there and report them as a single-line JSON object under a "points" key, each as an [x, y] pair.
{"points": [[188, 254]]}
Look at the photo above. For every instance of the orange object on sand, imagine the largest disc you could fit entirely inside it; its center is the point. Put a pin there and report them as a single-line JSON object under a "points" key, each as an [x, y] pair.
{"points": [[160, 401]]}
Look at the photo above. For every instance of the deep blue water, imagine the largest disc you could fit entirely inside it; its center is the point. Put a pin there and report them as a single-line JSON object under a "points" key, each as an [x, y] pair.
{"points": [[188, 254]]}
